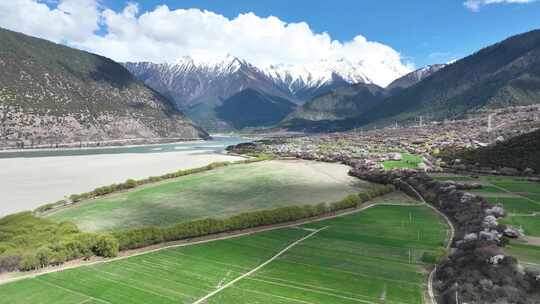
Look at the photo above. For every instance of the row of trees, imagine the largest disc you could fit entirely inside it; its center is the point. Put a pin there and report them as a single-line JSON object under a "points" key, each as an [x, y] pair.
{"points": [[49, 243], [140, 237], [28, 242]]}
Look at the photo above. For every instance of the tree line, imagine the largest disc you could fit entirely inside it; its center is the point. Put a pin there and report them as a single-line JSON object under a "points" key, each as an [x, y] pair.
{"points": [[48, 243]]}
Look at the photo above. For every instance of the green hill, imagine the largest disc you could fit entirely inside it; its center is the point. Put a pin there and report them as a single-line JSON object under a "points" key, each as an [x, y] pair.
{"points": [[337, 105], [251, 108], [520, 152]]}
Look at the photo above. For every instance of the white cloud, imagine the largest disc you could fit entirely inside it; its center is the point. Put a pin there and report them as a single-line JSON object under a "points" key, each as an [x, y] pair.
{"points": [[71, 20], [164, 35], [475, 5]]}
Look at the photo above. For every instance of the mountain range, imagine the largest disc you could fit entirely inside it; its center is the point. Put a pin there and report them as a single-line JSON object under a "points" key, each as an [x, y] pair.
{"points": [[346, 103], [54, 94], [199, 86], [51, 94], [504, 74]]}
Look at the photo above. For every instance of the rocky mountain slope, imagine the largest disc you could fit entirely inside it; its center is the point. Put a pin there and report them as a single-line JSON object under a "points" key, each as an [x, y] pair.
{"points": [[414, 77], [347, 102], [52, 94], [501, 75], [199, 86], [341, 103], [504, 74], [263, 109]]}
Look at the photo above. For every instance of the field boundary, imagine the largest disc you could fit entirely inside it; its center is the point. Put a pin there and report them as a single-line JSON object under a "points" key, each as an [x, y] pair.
{"points": [[452, 232], [515, 193], [211, 294], [9, 277], [12, 276], [139, 184]]}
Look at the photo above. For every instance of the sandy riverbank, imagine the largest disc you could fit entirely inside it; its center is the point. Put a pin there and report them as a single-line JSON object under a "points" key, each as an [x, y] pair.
{"points": [[26, 183]]}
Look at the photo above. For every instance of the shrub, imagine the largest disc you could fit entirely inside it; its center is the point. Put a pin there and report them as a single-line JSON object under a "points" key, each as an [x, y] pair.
{"points": [[44, 255], [130, 183], [10, 262], [29, 262], [106, 246], [75, 198]]}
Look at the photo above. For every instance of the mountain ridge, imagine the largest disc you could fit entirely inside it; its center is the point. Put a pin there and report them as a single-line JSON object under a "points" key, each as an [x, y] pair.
{"points": [[504, 74], [53, 94], [198, 86]]}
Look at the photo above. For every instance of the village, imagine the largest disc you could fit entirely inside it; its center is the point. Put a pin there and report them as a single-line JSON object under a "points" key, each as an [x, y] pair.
{"points": [[423, 139]]}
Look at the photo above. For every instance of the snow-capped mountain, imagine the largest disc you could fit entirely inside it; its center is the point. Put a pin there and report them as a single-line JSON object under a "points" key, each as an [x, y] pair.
{"points": [[414, 77], [199, 85]]}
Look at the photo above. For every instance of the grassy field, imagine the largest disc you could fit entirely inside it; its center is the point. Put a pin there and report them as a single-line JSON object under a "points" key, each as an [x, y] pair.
{"points": [[519, 198], [218, 193], [515, 185], [369, 257], [527, 254], [519, 205], [407, 161], [456, 178], [530, 224]]}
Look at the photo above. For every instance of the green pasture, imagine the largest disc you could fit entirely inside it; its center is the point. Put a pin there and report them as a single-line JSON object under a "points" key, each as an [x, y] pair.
{"points": [[526, 254], [530, 224], [217, 193], [519, 198], [408, 161], [516, 205]]}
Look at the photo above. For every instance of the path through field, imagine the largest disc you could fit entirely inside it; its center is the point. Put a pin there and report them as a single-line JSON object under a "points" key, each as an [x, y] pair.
{"points": [[203, 299]]}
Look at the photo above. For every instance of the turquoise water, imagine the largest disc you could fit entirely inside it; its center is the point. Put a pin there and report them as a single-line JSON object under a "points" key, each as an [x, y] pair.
{"points": [[217, 144]]}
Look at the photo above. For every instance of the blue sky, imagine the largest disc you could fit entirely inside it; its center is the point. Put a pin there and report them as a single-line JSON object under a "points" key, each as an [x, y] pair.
{"points": [[424, 32], [382, 35]]}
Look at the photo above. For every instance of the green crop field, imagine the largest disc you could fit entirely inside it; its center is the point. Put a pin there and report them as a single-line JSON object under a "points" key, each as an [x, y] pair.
{"points": [[407, 161], [453, 178], [488, 189], [515, 185], [520, 199], [374, 256], [217, 193], [530, 224], [527, 254], [519, 205]]}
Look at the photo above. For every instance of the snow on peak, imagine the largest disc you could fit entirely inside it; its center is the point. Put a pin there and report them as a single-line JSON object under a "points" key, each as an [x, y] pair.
{"points": [[217, 64], [320, 72], [314, 74]]}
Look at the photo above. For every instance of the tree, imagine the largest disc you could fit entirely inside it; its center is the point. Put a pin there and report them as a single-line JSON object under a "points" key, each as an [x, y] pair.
{"points": [[106, 246]]}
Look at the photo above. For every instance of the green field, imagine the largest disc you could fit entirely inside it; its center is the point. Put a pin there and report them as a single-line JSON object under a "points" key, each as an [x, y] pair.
{"points": [[519, 198], [369, 257], [530, 224], [453, 178], [515, 185], [217, 193], [408, 161], [519, 205], [527, 254]]}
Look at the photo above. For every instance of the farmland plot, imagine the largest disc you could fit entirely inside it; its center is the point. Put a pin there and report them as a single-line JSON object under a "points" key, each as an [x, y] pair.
{"points": [[374, 256]]}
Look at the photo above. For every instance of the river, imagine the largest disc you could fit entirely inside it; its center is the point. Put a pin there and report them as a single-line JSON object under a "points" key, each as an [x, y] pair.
{"points": [[31, 178]]}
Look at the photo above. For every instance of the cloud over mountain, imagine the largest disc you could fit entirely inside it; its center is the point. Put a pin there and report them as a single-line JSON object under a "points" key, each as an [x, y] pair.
{"points": [[164, 35]]}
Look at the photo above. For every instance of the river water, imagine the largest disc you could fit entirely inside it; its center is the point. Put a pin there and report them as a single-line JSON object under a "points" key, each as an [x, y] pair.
{"points": [[31, 178]]}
